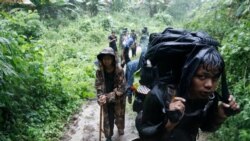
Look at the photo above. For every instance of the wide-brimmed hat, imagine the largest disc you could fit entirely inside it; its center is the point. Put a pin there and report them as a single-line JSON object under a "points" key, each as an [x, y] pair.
{"points": [[106, 51]]}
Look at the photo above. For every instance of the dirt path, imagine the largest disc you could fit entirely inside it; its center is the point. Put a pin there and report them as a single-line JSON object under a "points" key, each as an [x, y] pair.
{"points": [[85, 125]]}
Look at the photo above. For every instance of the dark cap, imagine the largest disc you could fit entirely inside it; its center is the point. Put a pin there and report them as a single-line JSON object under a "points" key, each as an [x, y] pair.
{"points": [[106, 51]]}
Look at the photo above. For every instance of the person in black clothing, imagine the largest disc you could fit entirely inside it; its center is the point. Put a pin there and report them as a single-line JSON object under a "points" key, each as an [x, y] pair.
{"points": [[112, 41], [145, 30], [134, 46], [186, 100]]}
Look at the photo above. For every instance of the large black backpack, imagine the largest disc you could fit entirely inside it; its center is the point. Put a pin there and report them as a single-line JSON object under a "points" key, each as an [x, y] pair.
{"points": [[168, 51]]}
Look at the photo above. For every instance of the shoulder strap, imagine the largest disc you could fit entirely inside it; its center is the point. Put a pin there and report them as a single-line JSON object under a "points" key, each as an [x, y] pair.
{"points": [[160, 90]]}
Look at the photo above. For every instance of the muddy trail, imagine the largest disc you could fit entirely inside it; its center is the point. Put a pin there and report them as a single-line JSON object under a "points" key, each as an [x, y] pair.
{"points": [[84, 126]]}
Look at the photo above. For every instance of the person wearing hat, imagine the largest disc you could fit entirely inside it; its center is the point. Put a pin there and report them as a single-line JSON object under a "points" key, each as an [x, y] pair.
{"points": [[110, 87], [184, 98]]}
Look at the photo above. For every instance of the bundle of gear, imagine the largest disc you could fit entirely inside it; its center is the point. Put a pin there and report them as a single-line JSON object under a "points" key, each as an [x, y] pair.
{"points": [[170, 59]]}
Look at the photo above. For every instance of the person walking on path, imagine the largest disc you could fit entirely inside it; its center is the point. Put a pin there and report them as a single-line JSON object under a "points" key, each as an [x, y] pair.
{"points": [[126, 58], [185, 99], [112, 41], [134, 46], [143, 43], [110, 87], [122, 43]]}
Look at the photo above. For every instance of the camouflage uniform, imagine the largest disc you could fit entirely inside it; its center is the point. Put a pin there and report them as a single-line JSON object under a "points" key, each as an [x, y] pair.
{"points": [[117, 111]]}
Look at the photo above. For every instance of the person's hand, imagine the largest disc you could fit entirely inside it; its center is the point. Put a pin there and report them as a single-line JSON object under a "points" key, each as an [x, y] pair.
{"points": [[177, 103], [117, 92], [232, 105], [176, 109], [102, 99], [175, 113]]}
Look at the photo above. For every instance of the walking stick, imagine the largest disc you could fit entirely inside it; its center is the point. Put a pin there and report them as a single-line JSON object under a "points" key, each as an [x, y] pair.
{"points": [[100, 128]]}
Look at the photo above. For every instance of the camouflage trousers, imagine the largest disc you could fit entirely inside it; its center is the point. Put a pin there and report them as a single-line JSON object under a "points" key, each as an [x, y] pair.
{"points": [[114, 113]]}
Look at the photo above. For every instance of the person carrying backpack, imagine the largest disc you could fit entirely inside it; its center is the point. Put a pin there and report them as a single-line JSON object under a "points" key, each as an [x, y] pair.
{"points": [[183, 98], [110, 87]]}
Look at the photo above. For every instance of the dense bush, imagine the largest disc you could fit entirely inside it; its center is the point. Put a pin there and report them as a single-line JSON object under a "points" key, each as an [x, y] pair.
{"points": [[31, 106]]}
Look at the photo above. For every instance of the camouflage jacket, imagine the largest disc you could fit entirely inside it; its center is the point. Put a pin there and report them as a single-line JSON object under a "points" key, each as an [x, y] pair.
{"points": [[119, 84]]}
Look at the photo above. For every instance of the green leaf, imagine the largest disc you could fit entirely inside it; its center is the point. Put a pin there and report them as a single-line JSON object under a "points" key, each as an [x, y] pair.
{"points": [[240, 10], [4, 40], [247, 48]]}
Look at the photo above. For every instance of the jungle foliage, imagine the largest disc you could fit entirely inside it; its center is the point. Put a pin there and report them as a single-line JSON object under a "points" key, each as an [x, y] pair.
{"points": [[48, 49]]}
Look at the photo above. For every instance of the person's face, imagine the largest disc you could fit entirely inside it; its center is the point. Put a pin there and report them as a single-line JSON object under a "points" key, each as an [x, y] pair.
{"points": [[107, 60], [204, 83], [113, 33]]}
